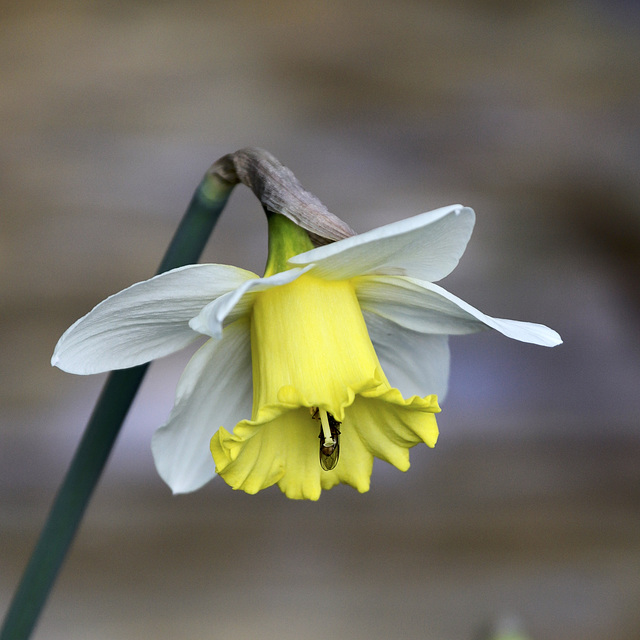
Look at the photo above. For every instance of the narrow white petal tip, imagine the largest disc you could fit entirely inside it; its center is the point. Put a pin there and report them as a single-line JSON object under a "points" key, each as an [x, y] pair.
{"points": [[177, 477], [65, 360], [180, 478], [550, 338], [62, 361], [179, 488], [530, 332]]}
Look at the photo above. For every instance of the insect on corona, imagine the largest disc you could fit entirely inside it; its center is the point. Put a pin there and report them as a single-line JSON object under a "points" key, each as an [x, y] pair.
{"points": [[329, 446]]}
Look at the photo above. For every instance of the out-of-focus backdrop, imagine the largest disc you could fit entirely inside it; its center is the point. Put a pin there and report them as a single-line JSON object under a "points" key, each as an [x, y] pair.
{"points": [[529, 506]]}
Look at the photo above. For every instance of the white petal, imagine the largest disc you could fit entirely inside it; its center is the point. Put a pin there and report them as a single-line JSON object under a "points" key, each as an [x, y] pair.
{"points": [[427, 246], [148, 320], [415, 363], [215, 390], [236, 304], [427, 308]]}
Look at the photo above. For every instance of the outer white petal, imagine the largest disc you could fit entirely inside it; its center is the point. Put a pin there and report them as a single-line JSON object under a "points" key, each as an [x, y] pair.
{"points": [[427, 308], [427, 246], [236, 304], [415, 363], [148, 320], [215, 390]]}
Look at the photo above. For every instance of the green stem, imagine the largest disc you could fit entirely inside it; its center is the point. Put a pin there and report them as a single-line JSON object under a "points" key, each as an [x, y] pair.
{"points": [[101, 431]]}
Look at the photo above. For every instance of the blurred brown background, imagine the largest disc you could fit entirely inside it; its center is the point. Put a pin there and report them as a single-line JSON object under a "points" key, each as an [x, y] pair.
{"points": [[529, 506]]}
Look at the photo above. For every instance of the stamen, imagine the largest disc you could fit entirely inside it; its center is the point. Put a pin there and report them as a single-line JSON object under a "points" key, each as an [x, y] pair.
{"points": [[326, 430]]}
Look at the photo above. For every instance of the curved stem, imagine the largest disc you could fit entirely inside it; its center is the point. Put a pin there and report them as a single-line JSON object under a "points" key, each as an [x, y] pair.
{"points": [[102, 429], [280, 192]]}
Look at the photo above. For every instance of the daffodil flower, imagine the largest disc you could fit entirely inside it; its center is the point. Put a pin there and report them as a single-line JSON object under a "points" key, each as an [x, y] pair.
{"points": [[341, 347]]}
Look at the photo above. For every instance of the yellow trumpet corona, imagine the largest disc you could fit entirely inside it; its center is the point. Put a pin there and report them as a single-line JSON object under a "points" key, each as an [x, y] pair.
{"points": [[310, 348]]}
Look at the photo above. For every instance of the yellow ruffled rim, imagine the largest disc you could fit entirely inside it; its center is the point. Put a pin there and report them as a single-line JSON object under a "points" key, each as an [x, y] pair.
{"points": [[281, 445]]}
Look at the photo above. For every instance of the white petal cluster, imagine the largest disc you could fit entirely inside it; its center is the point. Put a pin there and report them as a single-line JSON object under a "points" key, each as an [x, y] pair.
{"points": [[393, 269]]}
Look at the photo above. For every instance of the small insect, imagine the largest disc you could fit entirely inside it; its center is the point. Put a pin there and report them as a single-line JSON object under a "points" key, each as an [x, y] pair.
{"points": [[329, 447]]}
